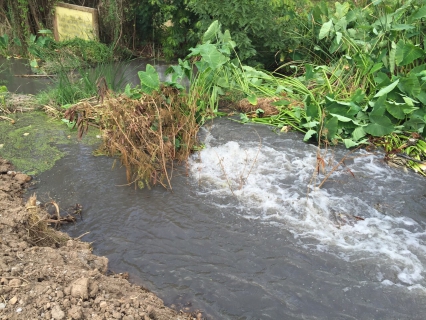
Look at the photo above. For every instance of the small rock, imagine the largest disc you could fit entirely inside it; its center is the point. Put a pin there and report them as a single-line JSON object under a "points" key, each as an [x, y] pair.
{"points": [[116, 315], [66, 303], [75, 313], [128, 318], [19, 310], [2, 306], [15, 283], [22, 178], [67, 291], [57, 313], [13, 300], [80, 288], [4, 282], [103, 305]]}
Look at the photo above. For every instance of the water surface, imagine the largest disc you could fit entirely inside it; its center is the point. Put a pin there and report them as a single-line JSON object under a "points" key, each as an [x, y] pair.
{"points": [[243, 237]]}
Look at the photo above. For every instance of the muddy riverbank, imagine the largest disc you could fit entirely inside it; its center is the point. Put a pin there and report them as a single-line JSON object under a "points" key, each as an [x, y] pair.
{"points": [[45, 274]]}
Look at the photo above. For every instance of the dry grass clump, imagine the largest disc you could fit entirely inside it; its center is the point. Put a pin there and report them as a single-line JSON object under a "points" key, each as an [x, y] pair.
{"points": [[148, 134], [262, 103], [39, 228]]}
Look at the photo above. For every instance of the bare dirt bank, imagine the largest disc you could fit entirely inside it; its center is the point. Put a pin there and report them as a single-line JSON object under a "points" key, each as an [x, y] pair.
{"points": [[44, 274]]}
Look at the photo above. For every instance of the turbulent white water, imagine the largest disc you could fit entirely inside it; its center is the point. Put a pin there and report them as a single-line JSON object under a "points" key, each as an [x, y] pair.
{"points": [[271, 186]]}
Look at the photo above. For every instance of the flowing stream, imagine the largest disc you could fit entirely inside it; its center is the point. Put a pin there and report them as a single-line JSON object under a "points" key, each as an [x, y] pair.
{"points": [[244, 234], [243, 237]]}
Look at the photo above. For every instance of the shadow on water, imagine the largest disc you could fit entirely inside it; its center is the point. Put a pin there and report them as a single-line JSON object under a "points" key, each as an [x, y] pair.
{"points": [[265, 251]]}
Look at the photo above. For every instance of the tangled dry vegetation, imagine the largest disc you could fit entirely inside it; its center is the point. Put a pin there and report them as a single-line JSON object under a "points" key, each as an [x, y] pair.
{"points": [[148, 134]]}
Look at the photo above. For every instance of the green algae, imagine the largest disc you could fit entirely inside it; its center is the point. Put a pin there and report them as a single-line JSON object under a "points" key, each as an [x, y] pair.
{"points": [[32, 142]]}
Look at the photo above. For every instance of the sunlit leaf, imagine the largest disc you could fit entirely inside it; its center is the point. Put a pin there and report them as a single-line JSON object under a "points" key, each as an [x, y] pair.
{"points": [[341, 9], [392, 57], [211, 32], [309, 135], [341, 118], [387, 89], [252, 99], [358, 133], [325, 29]]}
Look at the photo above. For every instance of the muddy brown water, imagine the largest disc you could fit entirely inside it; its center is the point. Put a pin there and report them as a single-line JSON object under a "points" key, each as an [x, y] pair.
{"points": [[240, 236]]}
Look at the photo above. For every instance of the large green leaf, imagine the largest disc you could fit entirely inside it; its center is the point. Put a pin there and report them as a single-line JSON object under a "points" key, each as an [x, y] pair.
{"points": [[212, 56], [358, 133], [387, 89], [309, 135], [150, 80], [379, 107], [395, 109], [401, 27], [325, 29], [410, 85], [211, 32], [341, 9], [379, 126], [341, 118], [330, 128], [418, 14], [406, 53]]}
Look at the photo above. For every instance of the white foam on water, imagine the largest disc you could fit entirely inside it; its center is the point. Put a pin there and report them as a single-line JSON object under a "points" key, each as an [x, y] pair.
{"points": [[272, 186]]}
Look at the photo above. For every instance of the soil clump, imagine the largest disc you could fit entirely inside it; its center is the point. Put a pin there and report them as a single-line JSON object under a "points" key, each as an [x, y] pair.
{"points": [[45, 274]]}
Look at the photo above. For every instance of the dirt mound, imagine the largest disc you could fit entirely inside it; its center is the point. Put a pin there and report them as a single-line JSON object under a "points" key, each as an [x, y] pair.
{"points": [[61, 279]]}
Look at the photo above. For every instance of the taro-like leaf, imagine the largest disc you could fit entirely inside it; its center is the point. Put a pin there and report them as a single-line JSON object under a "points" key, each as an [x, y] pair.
{"points": [[341, 118], [379, 126], [358, 96], [349, 143], [406, 53], [211, 32], [309, 134], [312, 110], [401, 27], [387, 89], [418, 14], [410, 85], [341, 9], [358, 133], [212, 56], [150, 80], [395, 109], [330, 127], [325, 29]]}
